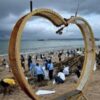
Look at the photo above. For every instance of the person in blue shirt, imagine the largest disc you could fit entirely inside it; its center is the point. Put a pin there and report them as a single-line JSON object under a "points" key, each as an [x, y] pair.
{"points": [[50, 67], [39, 72], [32, 69]]}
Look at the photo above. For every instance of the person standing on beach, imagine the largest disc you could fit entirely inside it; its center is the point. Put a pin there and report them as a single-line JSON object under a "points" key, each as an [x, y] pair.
{"points": [[77, 72], [23, 61], [39, 72], [59, 56], [50, 67], [66, 70], [32, 69], [4, 62], [46, 64], [29, 61]]}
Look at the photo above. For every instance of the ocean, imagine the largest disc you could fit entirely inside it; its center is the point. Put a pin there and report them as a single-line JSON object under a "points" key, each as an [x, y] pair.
{"points": [[42, 46]]}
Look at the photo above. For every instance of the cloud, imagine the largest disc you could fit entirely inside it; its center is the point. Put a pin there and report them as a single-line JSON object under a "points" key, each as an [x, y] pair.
{"points": [[18, 6], [12, 10], [12, 6]]}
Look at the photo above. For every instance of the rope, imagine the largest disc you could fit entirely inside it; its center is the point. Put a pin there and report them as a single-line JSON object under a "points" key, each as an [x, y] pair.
{"points": [[77, 8]]}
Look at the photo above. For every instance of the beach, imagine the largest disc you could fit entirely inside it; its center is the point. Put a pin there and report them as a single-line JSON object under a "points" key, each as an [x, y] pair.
{"points": [[91, 92], [49, 50]]}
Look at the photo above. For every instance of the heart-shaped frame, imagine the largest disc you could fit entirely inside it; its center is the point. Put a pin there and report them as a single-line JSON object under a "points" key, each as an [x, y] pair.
{"points": [[57, 20]]}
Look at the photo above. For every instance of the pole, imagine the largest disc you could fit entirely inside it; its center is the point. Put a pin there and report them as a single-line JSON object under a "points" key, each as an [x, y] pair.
{"points": [[31, 5]]}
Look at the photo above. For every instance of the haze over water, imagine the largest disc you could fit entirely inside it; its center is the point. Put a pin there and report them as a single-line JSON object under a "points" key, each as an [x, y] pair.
{"points": [[41, 46]]}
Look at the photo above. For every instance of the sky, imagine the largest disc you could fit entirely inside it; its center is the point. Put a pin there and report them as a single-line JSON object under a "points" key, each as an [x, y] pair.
{"points": [[40, 28]]}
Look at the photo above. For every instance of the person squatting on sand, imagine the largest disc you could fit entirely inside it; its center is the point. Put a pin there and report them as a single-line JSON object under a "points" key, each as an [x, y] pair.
{"points": [[6, 85], [60, 78]]}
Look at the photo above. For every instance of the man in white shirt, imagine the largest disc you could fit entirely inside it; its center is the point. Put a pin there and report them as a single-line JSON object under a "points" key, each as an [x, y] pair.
{"points": [[60, 78]]}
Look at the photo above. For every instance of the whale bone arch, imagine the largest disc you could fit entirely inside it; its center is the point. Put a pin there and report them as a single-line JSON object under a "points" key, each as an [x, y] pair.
{"points": [[57, 20]]}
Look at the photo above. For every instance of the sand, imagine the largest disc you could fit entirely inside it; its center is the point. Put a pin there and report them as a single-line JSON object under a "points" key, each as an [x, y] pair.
{"points": [[92, 91]]}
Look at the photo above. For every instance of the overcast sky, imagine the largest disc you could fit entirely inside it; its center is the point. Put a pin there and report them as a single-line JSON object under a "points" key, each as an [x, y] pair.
{"points": [[12, 10]]}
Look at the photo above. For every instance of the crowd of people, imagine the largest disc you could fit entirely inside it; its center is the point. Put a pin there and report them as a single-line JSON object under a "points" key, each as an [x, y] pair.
{"points": [[47, 69], [48, 72]]}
